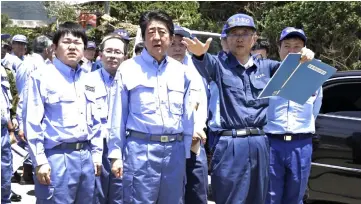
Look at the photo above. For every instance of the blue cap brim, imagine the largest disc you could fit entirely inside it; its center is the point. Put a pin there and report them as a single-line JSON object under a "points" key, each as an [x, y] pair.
{"points": [[238, 26], [182, 33], [5, 36]]}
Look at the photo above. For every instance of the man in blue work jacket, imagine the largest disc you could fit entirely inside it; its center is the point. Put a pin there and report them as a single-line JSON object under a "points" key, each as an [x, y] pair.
{"points": [[7, 138], [224, 40], [86, 62], [19, 46], [42, 51], [153, 105], [290, 127], [62, 124], [213, 97], [113, 50], [197, 169], [10, 60], [240, 161]]}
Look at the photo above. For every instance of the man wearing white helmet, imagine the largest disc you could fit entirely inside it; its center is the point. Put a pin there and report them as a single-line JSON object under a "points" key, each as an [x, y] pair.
{"points": [[19, 45], [10, 60]]}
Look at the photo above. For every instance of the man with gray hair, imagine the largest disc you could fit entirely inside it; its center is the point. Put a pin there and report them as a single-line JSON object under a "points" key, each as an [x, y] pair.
{"points": [[42, 52]]}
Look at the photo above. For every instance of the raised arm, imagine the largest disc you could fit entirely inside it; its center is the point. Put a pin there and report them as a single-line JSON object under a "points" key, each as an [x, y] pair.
{"points": [[205, 63]]}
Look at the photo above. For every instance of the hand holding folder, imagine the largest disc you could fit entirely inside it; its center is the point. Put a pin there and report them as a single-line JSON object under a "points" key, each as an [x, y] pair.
{"points": [[297, 81]]}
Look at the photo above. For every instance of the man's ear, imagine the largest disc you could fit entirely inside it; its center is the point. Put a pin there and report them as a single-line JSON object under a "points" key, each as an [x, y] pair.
{"points": [[53, 47], [279, 48], [255, 38], [171, 38], [100, 54]]}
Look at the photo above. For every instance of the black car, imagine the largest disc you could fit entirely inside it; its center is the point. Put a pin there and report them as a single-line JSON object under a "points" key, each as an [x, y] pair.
{"points": [[336, 163]]}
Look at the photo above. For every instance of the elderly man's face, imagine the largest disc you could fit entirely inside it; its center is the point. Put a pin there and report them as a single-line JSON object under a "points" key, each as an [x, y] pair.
{"points": [[240, 40], [19, 48], [112, 54]]}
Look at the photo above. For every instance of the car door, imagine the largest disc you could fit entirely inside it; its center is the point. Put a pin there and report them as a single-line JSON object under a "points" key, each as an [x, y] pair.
{"points": [[336, 161]]}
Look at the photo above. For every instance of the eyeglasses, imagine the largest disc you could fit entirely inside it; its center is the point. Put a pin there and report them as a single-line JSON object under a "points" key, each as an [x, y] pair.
{"points": [[244, 35]]}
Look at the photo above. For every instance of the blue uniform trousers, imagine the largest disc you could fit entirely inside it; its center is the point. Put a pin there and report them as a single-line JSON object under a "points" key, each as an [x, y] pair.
{"points": [[154, 172], [197, 178], [6, 165], [240, 169], [290, 165], [108, 188], [72, 178]]}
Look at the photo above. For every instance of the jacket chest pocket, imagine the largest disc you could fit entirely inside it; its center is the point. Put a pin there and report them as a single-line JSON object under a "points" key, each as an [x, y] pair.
{"points": [[93, 109], [233, 86], [102, 103], [175, 97], [62, 109], [142, 98], [258, 84]]}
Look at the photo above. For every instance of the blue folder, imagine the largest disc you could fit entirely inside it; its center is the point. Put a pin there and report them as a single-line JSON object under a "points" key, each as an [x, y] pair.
{"points": [[297, 82]]}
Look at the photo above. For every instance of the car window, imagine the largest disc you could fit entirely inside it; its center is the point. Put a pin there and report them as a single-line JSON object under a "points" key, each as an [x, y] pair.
{"points": [[342, 99]]}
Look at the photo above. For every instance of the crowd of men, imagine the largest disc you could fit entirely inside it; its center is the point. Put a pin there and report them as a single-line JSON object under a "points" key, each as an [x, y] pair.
{"points": [[134, 130]]}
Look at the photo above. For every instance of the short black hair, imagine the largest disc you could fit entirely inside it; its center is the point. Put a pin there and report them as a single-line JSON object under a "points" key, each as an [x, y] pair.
{"points": [[139, 47], [261, 44], [70, 27], [114, 36], [157, 15]]}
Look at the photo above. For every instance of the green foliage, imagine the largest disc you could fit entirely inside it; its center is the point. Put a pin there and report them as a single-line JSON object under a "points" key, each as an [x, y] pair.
{"points": [[30, 33], [4, 20], [184, 13], [333, 29], [61, 11]]}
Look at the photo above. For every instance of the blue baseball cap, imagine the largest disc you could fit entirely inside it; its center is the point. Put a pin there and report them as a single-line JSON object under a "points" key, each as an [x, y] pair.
{"points": [[239, 20], [294, 32], [20, 38], [91, 44], [185, 32], [5, 36], [123, 33]]}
